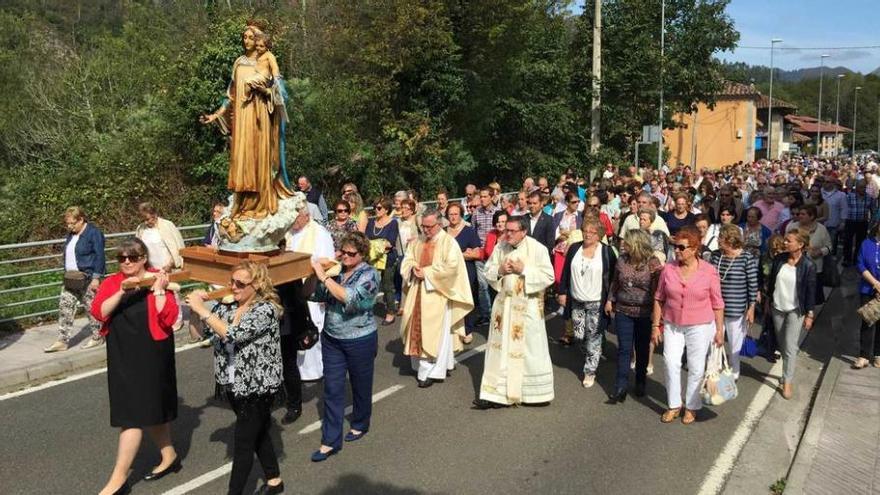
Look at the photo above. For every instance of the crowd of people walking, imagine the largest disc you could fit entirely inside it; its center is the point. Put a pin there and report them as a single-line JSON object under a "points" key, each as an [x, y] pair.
{"points": [[668, 258]]}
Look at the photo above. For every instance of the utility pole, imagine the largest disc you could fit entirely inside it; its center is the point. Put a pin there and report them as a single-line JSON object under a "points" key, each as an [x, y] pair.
{"points": [[595, 111], [819, 117], [662, 52], [837, 119], [770, 155], [852, 153]]}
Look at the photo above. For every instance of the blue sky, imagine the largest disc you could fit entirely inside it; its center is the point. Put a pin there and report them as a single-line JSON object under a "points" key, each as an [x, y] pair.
{"points": [[802, 24]]}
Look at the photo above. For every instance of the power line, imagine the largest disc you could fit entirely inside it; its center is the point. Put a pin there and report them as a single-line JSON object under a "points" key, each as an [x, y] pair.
{"points": [[865, 47]]}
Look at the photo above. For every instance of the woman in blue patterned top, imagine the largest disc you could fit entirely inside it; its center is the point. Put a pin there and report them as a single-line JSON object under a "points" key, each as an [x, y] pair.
{"points": [[869, 288], [349, 342]]}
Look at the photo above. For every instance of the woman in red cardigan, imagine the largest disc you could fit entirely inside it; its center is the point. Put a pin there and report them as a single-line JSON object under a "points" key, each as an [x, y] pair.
{"points": [[141, 379]]}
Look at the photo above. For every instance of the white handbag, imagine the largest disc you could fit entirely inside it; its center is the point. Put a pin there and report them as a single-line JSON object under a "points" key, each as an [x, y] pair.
{"points": [[719, 384]]}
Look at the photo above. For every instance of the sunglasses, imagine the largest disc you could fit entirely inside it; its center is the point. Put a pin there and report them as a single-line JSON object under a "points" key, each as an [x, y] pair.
{"points": [[131, 258], [348, 191], [680, 247], [341, 211], [472, 207], [239, 284], [350, 254], [379, 207]]}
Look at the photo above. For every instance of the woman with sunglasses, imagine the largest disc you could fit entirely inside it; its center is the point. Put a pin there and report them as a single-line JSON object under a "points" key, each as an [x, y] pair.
{"points": [[137, 325], [688, 299], [342, 222], [349, 343], [247, 367], [382, 231]]}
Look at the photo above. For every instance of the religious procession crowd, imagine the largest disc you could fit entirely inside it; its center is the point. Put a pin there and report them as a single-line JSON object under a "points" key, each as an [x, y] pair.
{"points": [[669, 257]]}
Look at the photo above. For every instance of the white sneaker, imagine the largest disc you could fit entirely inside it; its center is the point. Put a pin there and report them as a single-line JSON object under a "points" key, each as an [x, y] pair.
{"points": [[650, 370], [58, 346], [632, 365], [92, 343], [589, 381]]}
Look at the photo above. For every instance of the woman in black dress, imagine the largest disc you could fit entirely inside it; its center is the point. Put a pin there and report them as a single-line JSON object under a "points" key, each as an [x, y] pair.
{"points": [[137, 325], [247, 367]]}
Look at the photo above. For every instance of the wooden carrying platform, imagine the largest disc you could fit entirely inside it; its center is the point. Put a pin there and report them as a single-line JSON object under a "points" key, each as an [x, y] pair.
{"points": [[206, 264]]}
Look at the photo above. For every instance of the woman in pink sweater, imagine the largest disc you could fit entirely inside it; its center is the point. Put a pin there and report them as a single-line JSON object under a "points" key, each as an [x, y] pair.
{"points": [[688, 299]]}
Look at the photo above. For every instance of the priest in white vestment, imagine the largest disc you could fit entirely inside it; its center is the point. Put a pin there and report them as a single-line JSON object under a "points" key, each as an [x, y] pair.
{"points": [[437, 297], [517, 367], [308, 236]]}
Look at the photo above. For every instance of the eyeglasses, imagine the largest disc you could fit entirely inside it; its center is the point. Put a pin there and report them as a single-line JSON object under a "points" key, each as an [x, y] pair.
{"points": [[429, 227], [350, 254], [130, 258], [680, 247], [513, 231], [239, 284], [342, 211], [593, 205]]}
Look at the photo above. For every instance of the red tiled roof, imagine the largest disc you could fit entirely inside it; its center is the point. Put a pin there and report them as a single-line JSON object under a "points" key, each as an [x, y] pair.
{"points": [[764, 102], [800, 138], [805, 124], [736, 90]]}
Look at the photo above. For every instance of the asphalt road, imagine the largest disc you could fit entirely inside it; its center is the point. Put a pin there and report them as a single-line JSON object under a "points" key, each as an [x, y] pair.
{"points": [[422, 441]]}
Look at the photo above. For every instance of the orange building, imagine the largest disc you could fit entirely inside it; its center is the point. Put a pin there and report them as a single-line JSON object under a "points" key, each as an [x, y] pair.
{"points": [[719, 136]]}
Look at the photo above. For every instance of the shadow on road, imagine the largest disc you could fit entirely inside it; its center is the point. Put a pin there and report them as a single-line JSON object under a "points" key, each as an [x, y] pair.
{"points": [[356, 483]]}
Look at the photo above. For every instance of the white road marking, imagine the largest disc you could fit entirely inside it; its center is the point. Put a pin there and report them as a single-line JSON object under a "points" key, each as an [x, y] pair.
{"points": [[715, 479], [376, 398], [73, 378], [201, 480]]}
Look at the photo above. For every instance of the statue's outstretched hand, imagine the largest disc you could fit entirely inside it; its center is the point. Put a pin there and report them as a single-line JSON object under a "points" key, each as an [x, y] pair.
{"points": [[208, 118]]}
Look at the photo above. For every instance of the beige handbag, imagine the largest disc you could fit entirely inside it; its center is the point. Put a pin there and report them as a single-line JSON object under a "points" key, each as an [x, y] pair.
{"points": [[870, 312]]}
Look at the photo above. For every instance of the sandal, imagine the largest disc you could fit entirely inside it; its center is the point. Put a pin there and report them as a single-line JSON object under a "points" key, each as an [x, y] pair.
{"points": [[689, 417], [670, 415]]}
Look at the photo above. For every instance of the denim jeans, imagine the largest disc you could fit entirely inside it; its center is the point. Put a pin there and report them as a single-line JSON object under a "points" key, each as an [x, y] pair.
{"points": [[354, 357], [483, 291], [632, 334]]}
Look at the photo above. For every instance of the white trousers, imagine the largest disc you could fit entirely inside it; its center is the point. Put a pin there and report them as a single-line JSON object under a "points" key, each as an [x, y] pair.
{"points": [[436, 369], [696, 339], [736, 329]]}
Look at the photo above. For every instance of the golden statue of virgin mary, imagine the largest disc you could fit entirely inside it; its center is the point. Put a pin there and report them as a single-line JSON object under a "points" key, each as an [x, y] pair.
{"points": [[254, 116]]}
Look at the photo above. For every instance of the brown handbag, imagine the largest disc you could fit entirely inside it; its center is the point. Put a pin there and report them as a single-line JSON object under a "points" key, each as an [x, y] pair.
{"points": [[76, 281]]}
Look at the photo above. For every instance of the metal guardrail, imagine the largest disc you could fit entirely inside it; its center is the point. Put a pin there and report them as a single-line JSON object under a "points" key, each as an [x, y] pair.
{"points": [[42, 259]]}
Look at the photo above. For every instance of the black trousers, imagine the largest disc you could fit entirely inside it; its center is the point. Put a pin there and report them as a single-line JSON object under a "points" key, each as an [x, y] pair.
{"points": [[869, 336], [854, 229], [252, 420], [292, 380]]}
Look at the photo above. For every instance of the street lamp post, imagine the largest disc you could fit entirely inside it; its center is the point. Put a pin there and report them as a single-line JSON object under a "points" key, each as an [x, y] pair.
{"points": [[819, 128], [662, 51], [770, 104], [837, 119], [855, 122]]}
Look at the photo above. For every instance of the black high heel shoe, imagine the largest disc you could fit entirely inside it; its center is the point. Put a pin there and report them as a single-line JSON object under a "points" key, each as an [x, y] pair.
{"points": [[172, 468], [125, 489], [268, 489], [617, 397]]}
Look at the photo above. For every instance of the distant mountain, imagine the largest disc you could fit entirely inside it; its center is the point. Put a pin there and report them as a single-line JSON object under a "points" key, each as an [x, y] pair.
{"points": [[876, 72], [811, 73], [742, 72]]}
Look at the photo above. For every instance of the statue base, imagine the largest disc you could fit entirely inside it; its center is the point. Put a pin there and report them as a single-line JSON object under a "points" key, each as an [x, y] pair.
{"points": [[212, 266], [260, 235]]}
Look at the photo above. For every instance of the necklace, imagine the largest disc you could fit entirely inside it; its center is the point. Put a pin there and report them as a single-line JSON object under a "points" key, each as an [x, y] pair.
{"points": [[729, 265], [377, 232]]}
